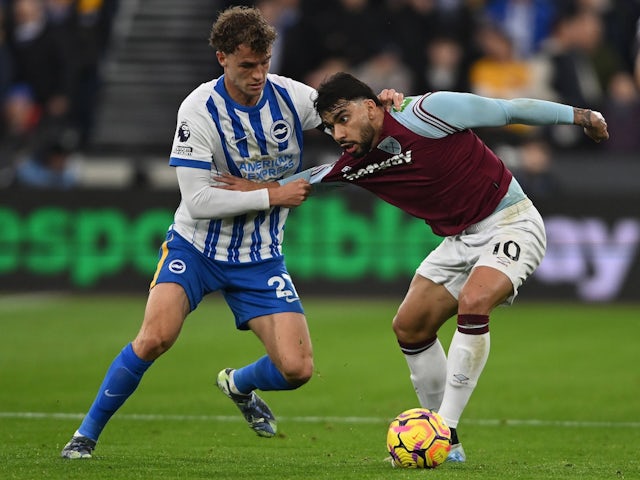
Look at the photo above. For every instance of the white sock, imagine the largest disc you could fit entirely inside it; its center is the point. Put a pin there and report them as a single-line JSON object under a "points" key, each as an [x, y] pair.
{"points": [[429, 374], [232, 385], [467, 357]]}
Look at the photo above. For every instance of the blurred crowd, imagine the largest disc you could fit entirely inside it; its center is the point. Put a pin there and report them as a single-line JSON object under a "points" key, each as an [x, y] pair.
{"points": [[51, 53], [579, 52]]}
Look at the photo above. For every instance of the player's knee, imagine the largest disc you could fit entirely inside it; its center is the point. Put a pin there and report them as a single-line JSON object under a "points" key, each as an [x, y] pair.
{"points": [[412, 330], [400, 328], [299, 373], [151, 347], [475, 301]]}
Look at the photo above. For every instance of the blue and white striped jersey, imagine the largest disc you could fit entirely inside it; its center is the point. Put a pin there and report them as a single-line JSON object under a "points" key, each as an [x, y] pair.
{"points": [[261, 143]]}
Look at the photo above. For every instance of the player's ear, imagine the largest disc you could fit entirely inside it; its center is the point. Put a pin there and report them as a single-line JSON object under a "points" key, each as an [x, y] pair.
{"points": [[371, 106], [222, 58]]}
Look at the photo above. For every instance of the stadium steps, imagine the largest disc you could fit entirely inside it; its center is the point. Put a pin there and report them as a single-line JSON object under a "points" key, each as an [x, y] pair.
{"points": [[159, 54]]}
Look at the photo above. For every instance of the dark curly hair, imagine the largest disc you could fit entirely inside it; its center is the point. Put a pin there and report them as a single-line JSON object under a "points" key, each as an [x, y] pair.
{"points": [[342, 86], [241, 25]]}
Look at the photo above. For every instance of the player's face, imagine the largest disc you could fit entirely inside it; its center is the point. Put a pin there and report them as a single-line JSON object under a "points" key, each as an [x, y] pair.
{"points": [[350, 124], [245, 73]]}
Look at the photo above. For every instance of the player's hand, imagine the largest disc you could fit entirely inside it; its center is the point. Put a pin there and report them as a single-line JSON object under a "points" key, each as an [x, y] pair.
{"points": [[597, 128], [390, 98], [290, 194], [239, 184], [592, 122]]}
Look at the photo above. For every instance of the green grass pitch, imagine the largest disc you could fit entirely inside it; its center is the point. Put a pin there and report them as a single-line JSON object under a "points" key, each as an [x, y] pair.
{"points": [[559, 398]]}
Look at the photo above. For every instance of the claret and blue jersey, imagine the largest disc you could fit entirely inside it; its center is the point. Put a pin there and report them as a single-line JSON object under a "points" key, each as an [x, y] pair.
{"points": [[429, 163]]}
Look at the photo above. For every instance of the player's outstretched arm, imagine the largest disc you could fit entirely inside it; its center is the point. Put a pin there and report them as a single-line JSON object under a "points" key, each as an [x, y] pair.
{"points": [[593, 123], [466, 110]]}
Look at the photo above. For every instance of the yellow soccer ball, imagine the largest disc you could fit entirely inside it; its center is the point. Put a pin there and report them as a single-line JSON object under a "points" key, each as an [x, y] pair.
{"points": [[418, 438]]}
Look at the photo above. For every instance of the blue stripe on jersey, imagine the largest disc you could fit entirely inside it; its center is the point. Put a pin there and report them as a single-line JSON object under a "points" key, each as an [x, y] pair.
{"points": [[276, 113], [182, 162], [233, 254], [213, 111], [298, 124], [256, 238], [212, 238], [238, 132], [258, 131], [274, 218]]}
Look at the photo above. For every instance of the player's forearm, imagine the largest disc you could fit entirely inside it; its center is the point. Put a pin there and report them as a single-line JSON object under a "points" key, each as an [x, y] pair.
{"points": [[530, 111], [214, 203], [205, 202], [466, 110]]}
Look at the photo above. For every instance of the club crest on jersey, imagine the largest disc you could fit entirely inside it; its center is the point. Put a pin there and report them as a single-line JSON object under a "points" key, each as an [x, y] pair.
{"points": [[390, 145], [184, 132], [280, 131]]}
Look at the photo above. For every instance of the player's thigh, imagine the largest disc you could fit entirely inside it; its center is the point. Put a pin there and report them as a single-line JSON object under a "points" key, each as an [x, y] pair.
{"points": [[507, 254], [286, 338], [447, 266], [425, 308], [165, 312], [486, 288], [181, 264]]}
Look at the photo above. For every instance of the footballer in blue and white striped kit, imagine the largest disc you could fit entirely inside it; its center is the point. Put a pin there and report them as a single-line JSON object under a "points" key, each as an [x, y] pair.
{"points": [[249, 124], [216, 135]]}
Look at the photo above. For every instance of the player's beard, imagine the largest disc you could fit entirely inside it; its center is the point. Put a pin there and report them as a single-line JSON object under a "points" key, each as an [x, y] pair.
{"points": [[367, 134]]}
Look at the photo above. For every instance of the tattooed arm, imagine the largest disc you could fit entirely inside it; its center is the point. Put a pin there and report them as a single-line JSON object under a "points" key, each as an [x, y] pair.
{"points": [[592, 122], [466, 110]]}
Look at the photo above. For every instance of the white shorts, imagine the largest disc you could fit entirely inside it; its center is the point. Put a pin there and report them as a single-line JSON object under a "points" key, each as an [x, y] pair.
{"points": [[512, 240]]}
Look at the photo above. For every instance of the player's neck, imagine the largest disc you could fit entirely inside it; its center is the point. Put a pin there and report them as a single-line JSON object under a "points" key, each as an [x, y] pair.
{"points": [[378, 122]]}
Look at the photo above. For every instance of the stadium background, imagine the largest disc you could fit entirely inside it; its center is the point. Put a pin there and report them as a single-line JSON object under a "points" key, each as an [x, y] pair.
{"points": [[100, 228]]}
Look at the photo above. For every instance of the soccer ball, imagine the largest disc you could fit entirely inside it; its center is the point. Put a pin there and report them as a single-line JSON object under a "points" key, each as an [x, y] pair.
{"points": [[418, 438]]}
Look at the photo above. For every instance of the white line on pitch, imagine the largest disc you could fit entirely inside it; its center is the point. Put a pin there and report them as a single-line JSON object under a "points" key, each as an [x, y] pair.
{"points": [[330, 419]]}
